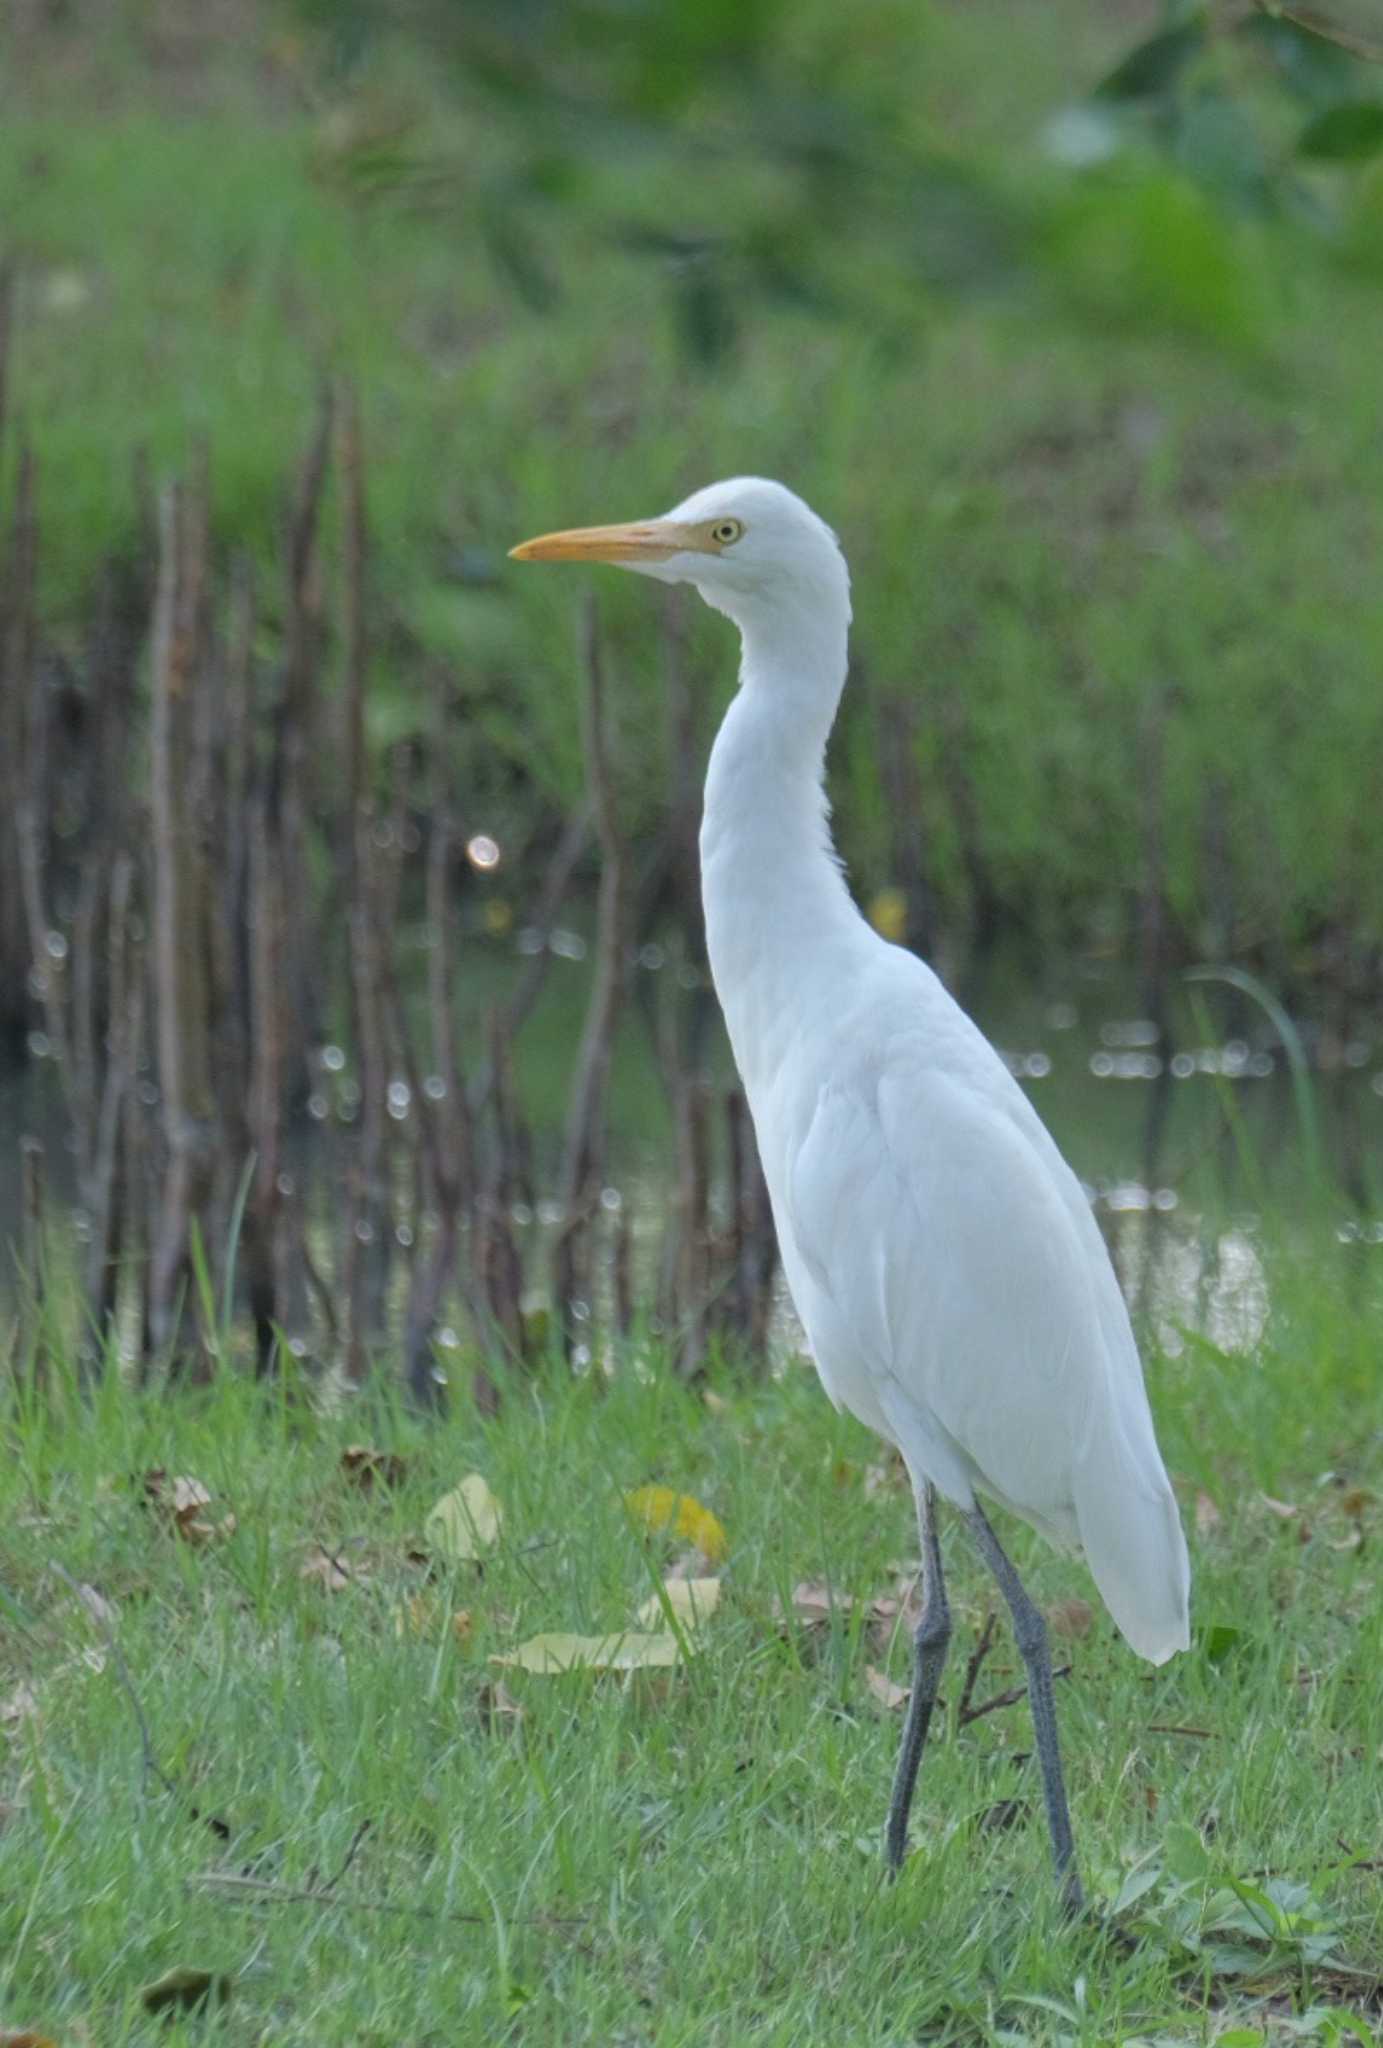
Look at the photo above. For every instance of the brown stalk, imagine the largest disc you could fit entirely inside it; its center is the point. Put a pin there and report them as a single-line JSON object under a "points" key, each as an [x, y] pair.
{"points": [[180, 911], [584, 1149]]}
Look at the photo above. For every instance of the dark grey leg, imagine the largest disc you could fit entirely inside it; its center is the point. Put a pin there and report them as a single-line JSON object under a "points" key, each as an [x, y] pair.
{"points": [[933, 1635], [1030, 1633]]}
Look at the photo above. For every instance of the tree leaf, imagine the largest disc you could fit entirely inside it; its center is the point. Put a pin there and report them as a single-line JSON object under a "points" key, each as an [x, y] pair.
{"points": [[1151, 67], [658, 1507], [1314, 71], [693, 1601], [465, 1522], [1344, 134], [1354, 24], [632, 1650]]}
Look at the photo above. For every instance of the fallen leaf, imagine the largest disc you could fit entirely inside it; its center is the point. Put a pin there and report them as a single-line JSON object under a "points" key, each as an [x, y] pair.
{"points": [[632, 1650], [26, 2039], [464, 1522], [888, 1694], [187, 1496], [185, 1987], [20, 1705], [417, 1614], [97, 1606], [1208, 1516], [1284, 1510], [693, 1601], [366, 1465], [1354, 1501], [889, 1477], [185, 1500], [499, 1706], [1352, 1540], [1003, 1814], [814, 1603], [1071, 1618], [327, 1569], [658, 1507]]}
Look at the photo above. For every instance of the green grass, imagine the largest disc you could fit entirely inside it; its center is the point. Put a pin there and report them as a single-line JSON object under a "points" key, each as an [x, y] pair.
{"points": [[713, 1831]]}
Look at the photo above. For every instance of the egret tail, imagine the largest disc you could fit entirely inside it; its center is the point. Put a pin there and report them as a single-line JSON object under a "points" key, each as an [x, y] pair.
{"points": [[1132, 1536]]}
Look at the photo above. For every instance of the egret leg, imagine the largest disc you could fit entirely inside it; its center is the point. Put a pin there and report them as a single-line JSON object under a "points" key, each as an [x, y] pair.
{"points": [[929, 1650], [1030, 1633]]}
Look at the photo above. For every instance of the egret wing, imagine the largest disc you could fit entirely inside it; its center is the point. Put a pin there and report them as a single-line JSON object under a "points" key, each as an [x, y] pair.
{"points": [[951, 1285], [939, 1256]]}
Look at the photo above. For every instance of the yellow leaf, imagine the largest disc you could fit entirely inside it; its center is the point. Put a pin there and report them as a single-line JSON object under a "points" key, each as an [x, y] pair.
{"points": [[693, 1601], [630, 1651], [416, 1615], [888, 913], [658, 1507], [465, 1521]]}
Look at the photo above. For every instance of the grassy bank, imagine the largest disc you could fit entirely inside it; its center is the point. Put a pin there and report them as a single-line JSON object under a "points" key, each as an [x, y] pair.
{"points": [[675, 1855]]}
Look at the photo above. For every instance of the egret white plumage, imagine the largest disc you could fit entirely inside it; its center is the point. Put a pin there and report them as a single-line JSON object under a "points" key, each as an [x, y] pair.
{"points": [[944, 1261]]}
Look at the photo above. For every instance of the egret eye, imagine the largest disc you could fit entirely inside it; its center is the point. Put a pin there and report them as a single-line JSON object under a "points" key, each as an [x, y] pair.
{"points": [[726, 531]]}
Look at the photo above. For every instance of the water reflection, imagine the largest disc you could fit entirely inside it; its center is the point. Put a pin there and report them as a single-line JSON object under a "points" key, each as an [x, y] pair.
{"points": [[1184, 1142]]}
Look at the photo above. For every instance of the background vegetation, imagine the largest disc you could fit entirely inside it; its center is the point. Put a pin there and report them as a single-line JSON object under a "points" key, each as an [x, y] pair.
{"points": [[351, 982], [1079, 376]]}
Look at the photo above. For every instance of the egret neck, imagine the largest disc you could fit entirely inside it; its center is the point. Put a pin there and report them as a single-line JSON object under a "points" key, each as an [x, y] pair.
{"points": [[772, 886]]}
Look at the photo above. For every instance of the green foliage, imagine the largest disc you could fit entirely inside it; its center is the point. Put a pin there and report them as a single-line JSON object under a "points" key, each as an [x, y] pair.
{"points": [[1143, 471], [1243, 106]]}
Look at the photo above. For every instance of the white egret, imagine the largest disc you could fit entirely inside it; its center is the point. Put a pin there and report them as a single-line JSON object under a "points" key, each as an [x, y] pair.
{"points": [[944, 1261]]}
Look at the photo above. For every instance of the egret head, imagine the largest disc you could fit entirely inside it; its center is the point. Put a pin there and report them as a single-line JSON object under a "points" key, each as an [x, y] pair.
{"points": [[752, 549]]}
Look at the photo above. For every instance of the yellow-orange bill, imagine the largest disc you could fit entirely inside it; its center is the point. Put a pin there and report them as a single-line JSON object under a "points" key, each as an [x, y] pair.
{"points": [[648, 540]]}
